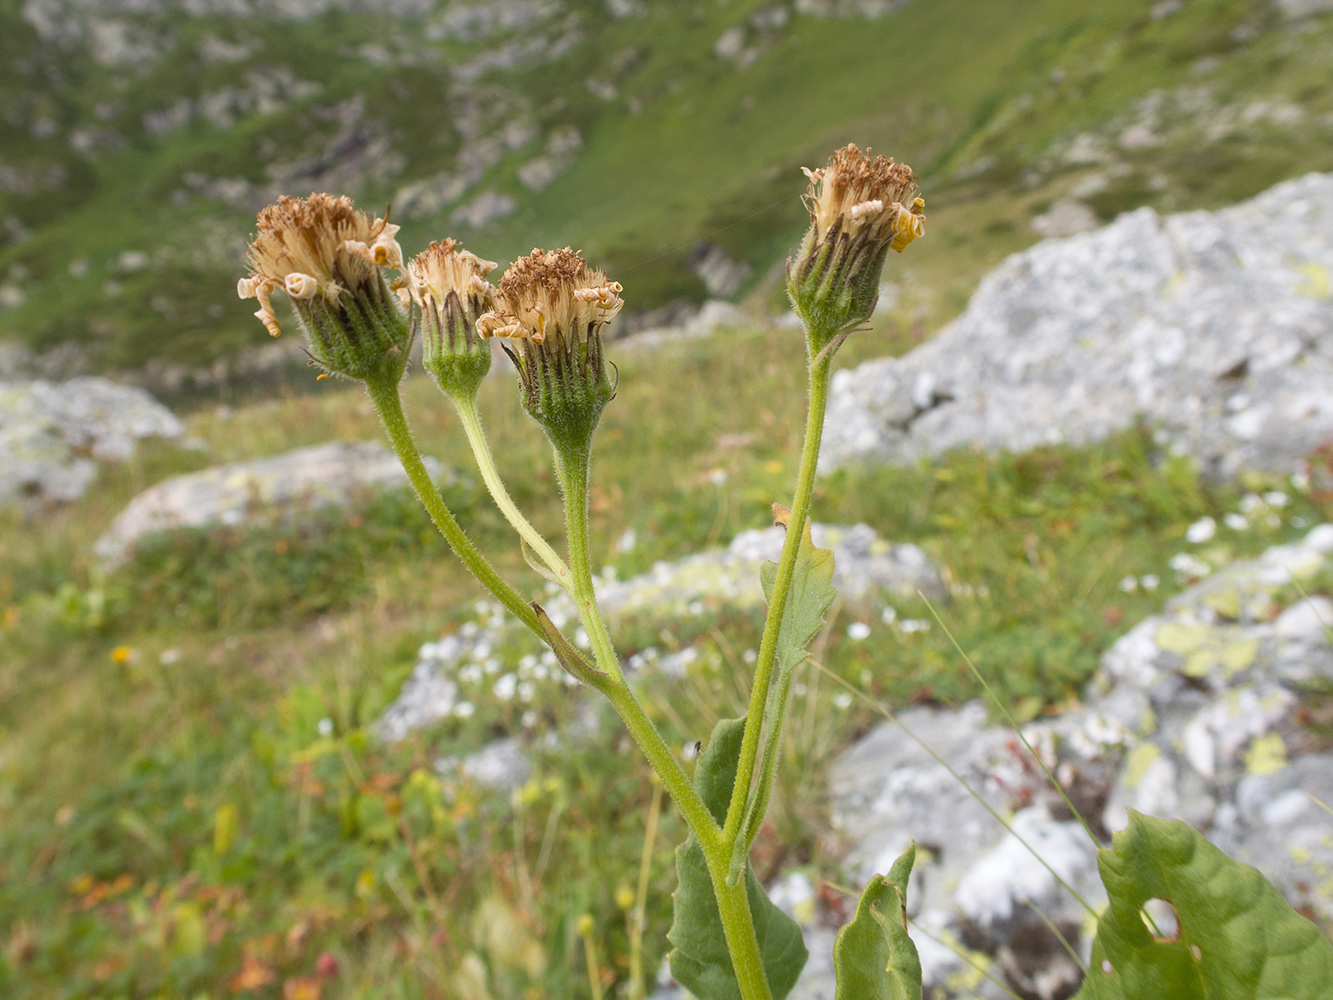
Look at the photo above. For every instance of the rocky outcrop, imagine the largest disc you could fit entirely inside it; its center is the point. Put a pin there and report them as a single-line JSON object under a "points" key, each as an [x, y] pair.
{"points": [[1199, 713], [1217, 326], [51, 435], [247, 492]]}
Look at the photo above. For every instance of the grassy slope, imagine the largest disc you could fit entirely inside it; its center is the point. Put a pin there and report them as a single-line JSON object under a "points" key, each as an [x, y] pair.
{"points": [[129, 771], [712, 152]]}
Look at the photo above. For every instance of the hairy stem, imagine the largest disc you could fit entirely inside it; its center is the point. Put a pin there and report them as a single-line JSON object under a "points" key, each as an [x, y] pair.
{"points": [[733, 903], [470, 418], [573, 470], [389, 405], [820, 366]]}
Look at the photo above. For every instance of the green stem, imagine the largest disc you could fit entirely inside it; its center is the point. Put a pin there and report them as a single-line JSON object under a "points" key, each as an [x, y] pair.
{"points": [[768, 769], [388, 404], [574, 469], [470, 418], [820, 366], [733, 904]]}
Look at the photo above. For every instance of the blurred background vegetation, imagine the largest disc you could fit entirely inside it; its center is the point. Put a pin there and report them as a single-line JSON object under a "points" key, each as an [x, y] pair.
{"points": [[192, 801]]}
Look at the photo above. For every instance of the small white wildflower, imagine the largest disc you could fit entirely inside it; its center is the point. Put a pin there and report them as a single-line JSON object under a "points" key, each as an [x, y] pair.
{"points": [[1236, 522], [696, 608], [1299, 522], [169, 657], [628, 539], [526, 691], [529, 719], [749, 656], [1149, 581], [1250, 503], [470, 674], [1201, 530], [914, 625], [983, 590], [491, 666], [581, 639], [504, 687], [1300, 481], [464, 709], [889, 615], [540, 673], [718, 477], [799, 689], [1276, 498], [528, 661], [324, 727], [842, 700], [1129, 584], [857, 631]]}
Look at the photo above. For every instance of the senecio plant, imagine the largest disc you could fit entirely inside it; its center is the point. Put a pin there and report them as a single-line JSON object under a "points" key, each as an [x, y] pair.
{"points": [[360, 305]]}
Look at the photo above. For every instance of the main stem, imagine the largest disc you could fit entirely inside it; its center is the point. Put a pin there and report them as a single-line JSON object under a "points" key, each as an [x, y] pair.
{"points": [[389, 405], [470, 418], [573, 466], [820, 366]]}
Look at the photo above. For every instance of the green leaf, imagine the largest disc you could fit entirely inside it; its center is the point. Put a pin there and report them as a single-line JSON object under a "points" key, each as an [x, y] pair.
{"points": [[699, 959], [1236, 935], [873, 956], [808, 599]]}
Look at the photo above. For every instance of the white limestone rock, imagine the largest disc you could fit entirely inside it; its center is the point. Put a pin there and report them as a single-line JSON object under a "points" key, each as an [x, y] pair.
{"points": [[1216, 325], [52, 435], [247, 492]]}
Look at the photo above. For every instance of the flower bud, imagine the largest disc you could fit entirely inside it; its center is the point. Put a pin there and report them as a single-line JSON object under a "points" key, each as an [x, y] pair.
{"points": [[448, 285], [860, 208], [552, 308], [327, 256]]}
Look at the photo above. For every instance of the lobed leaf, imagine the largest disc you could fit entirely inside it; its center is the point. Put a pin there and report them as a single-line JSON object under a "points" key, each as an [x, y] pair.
{"points": [[1235, 935], [699, 958], [874, 957]]}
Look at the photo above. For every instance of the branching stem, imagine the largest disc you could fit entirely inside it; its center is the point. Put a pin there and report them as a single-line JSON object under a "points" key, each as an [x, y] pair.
{"points": [[389, 405], [470, 418]]}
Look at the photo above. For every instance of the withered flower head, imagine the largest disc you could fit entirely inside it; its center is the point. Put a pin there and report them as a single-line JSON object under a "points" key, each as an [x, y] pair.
{"points": [[860, 208], [551, 311], [448, 286], [327, 256]]}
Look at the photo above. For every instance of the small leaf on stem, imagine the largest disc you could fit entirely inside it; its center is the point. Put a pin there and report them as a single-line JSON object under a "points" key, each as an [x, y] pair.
{"points": [[570, 658]]}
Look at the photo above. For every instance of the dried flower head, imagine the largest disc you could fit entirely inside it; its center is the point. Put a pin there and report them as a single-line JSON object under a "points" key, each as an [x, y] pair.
{"points": [[552, 309], [448, 286], [860, 208], [326, 255]]}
